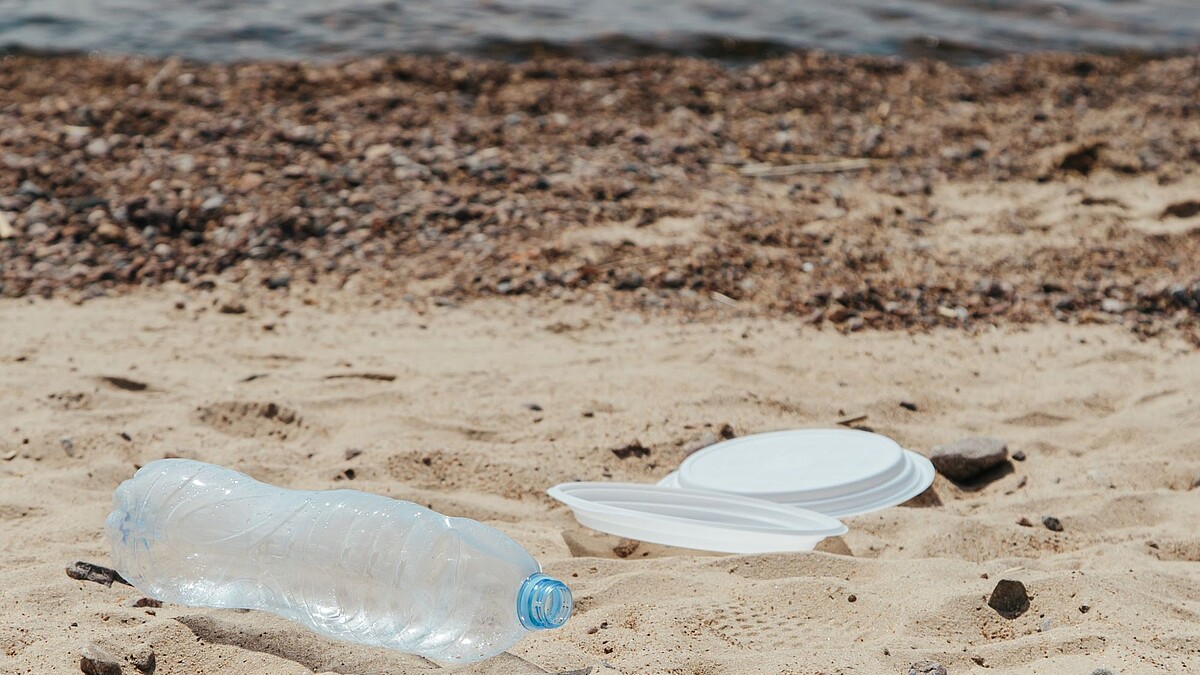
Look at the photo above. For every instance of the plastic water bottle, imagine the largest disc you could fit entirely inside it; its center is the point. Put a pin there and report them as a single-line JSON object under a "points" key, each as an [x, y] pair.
{"points": [[347, 564]]}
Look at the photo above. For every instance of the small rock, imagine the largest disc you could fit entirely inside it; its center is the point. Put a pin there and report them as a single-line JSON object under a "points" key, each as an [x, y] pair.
{"points": [[1084, 609], [1025, 522], [536, 407], [1184, 209], [674, 279], [927, 668], [1019, 455], [294, 171], [278, 281], [98, 147], [1053, 524], [908, 406], [6, 228], [634, 449], [29, 188], [84, 571], [1103, 671], [110, 232], [1045, 625], [1113, 306], [726, 431], [351, 453], [630, 282], [212, 204], [145, 602], [1196, 482], [68, 445], [144, 660], [184, 163], [94, 660], [1009, 599], [626, 547], [968, 458], [250, 182], [233, 307]]}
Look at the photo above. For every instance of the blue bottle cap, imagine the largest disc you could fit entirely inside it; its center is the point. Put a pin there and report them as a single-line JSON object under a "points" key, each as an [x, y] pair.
{"points": [[544, 602]]}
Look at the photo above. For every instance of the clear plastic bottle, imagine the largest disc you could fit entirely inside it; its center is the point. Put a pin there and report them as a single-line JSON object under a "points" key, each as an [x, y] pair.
{"points": [[348, 564]]}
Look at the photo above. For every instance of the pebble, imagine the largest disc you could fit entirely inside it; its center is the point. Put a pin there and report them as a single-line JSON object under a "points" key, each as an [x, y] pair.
{"points": [[110, 232], [233, 307], [927, 668], [1019, 455], [184, 163], [278, 281], [250, 182], [1103, 671], [144, 660], [1009, 599], [6, 228], [94, 660], [98, 148], [213, 203], [966, 459], [1113, 306], [1053, 524], [1045, 625]]}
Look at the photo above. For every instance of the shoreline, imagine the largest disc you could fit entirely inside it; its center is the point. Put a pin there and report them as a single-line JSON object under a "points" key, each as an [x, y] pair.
{"points": [[863, 192]]}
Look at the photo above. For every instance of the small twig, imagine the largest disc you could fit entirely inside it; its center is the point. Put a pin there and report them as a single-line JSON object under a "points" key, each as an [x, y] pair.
{"points": [[381, 377], [852, 420], [833, 166]]}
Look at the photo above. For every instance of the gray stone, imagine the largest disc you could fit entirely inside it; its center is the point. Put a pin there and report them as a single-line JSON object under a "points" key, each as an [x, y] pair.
{"points": [[965, 459], [1103, 671], [927, 668], [1053, 524], [94, 660]]}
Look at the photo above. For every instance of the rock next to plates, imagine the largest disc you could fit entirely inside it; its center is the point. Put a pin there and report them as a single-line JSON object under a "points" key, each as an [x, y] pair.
{"points": [[967, 459]]}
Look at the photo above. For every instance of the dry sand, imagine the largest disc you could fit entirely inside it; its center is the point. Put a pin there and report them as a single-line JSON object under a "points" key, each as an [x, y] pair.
{"points": [[1110, 426]]}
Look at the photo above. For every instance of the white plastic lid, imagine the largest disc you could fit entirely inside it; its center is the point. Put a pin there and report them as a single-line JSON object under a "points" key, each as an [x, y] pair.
{"points": [[797, 465], [914, 479], [706, 521]]}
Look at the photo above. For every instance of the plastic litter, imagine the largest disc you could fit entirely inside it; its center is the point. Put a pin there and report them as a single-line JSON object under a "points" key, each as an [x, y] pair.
{"points": [[347, 564]]}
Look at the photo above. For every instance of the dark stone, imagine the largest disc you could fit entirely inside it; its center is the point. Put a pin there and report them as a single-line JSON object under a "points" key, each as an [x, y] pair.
{"points": [[1019, 455], [1009, 599], [1053, 524], [84, 571], [966, 459], [634, 449], [279, 281]]}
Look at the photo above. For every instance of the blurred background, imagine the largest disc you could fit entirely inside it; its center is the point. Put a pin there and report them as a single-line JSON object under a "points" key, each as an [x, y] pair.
{"points": [[956, 30]]}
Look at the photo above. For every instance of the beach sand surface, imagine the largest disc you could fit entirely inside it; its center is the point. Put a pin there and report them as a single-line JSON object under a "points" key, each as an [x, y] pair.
{"points": [[442, 403]]}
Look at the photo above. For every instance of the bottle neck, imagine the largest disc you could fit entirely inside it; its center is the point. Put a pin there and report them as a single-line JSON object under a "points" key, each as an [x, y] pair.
{"points": [[543, 603]]}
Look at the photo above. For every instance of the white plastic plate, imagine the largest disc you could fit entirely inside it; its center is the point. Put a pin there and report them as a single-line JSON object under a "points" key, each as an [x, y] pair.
{"points": [[706, 521]]}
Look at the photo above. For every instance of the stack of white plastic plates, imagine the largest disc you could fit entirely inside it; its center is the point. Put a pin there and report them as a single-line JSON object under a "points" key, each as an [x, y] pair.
{"points": [[707, 521], [778, 491], [837, 472]]}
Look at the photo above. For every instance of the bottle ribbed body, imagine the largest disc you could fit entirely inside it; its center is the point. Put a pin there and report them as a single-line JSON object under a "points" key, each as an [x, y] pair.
{"points": [[348, 564]]}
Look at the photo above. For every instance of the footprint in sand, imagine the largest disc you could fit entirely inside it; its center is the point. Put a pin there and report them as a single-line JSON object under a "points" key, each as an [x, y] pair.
{"points": [[1037, 419], [250, 419]]}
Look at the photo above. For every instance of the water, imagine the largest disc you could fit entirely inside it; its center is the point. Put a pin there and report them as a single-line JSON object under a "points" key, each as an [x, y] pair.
{"points": [[347, 564], [287, 29]]}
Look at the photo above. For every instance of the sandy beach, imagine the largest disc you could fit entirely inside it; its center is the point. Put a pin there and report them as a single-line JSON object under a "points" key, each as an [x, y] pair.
{"points": [[460, 283]]}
